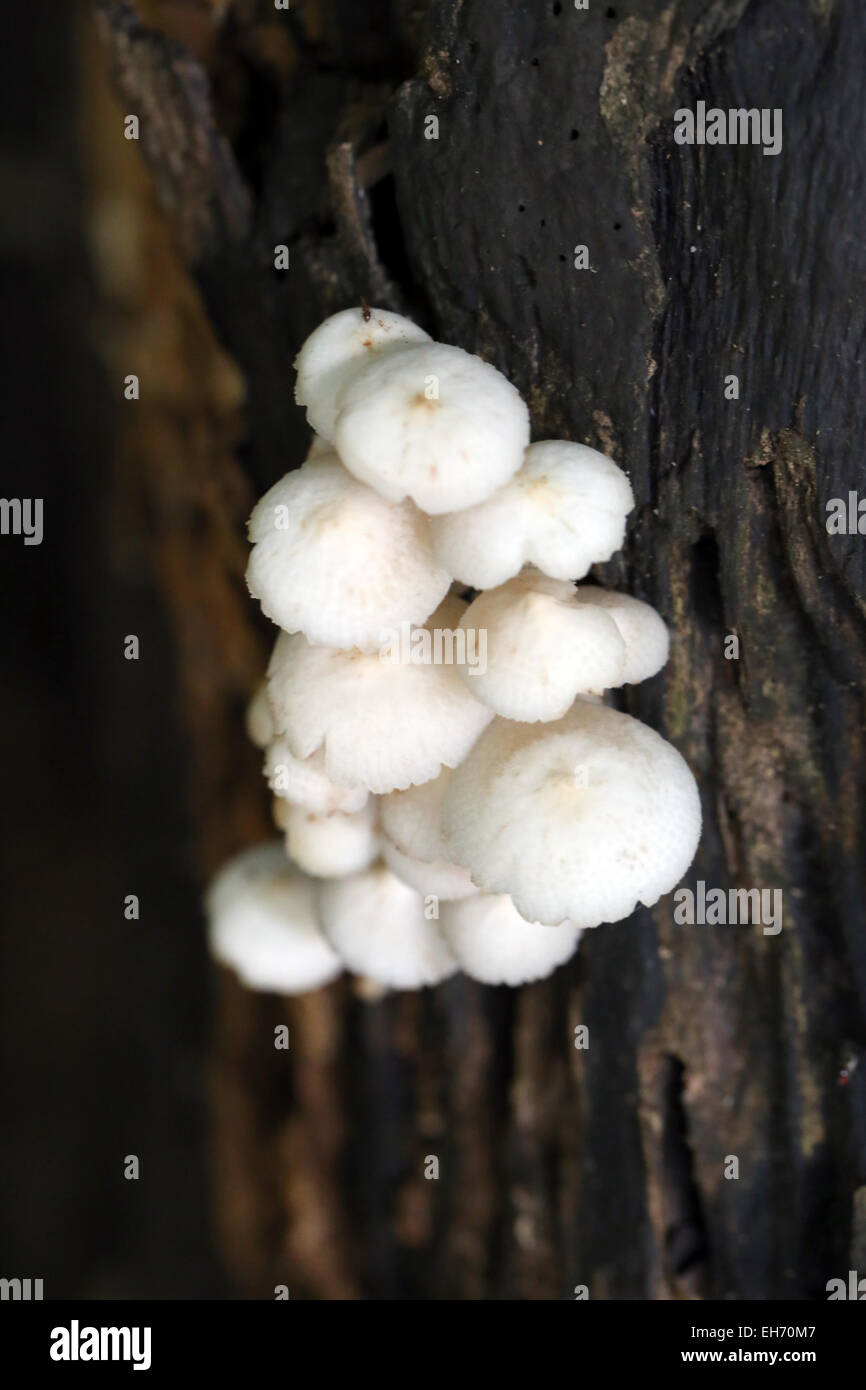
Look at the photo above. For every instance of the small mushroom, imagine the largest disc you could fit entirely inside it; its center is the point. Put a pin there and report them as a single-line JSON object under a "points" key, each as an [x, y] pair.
{"points": [[542, 648], [334, 560], [378, 926], [383, 724], [643, 630], [262, 923], [432, 423], [578, 820], [414, 845], [338, 349], [259, 724], [493, 943], [305, 782], [333, 845], [438, 879], [564, 511]]}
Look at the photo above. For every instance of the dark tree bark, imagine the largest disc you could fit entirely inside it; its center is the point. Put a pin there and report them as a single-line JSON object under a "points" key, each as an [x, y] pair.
{"points": [[559, 1167]]}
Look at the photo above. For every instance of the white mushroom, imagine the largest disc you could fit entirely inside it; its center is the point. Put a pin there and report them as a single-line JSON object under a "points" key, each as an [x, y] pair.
{"points": [[318, 446], [643, 630], [338, 349], [542, 648], [379, 927], [382, 723], [262, 923], [438, 879], [580, 820], [260, 726], [305, 782], [333, 845], [432, 423], [564, 511], [334, 560], [412, 819], [414, 844], [494, 944]]}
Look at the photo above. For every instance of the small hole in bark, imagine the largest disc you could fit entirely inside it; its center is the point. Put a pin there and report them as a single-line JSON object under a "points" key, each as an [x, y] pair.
{"points": [[387, 231], [521, 207], [574, 134], [706, 582], [534, 63], [617, 226], [557, 9], [610, 12], [562, 258]]}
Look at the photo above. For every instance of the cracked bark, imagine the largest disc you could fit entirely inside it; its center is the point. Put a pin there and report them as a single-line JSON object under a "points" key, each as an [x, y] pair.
{"points": [[559, 1167]]}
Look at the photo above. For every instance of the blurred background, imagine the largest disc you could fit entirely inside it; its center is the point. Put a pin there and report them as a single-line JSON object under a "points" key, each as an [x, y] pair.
{"points": [[103, 1021]]}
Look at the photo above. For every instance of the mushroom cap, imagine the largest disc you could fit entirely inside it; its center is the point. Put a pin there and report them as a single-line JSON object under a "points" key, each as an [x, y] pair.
{"points": [[377, 924], [412, 819], [305, 782], [334, 560], [434, 879], [445, 451], [564, 511], [259, 724], [333, 845], [579, 820], [543, 648], [493, 943], [643, 630], [383, 724], [340, 347], [262, 923]]}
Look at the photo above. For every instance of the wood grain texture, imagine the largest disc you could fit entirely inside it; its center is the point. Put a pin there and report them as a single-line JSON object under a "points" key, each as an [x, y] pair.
{"points": [[561, 1167]]}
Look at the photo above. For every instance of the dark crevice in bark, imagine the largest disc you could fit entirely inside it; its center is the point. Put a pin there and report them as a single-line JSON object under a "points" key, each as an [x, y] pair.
{"points": [[686, 1245]]}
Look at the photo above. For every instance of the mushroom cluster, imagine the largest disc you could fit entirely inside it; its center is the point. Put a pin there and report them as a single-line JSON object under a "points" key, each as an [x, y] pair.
{"points": [[453, 791]]}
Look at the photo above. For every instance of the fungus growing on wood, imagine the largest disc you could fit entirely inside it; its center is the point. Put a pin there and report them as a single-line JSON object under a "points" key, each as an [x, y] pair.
{"points": [[262, 923], [564, 511]]}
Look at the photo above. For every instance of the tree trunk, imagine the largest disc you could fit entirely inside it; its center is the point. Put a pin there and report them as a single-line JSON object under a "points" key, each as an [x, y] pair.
{"points": [[608, 1166]]}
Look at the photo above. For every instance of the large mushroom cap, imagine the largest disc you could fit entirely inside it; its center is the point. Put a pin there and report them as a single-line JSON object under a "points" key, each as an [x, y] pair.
{"points": [[333, 845], [579, 820], [432, 423], [494, 944], [262, 923], [337, 350], [541, 648], [564, 511], [334, 560], [643, 630], [305, 782], [382, 723], [378, 925]]}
